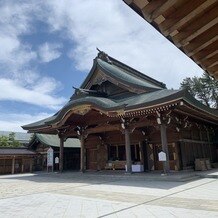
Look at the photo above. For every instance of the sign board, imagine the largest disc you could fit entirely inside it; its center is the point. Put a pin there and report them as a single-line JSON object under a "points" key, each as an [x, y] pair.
{"points": [[57, 160], [50, 157], [162, 156]]}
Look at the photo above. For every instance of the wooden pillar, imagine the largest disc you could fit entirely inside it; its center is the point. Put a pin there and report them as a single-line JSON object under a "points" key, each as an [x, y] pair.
{"points": [[202, 145], [82, 153], [13, 165], [141, 153], [22, 166], [210, 145], [166, 164], [61, 155], [31, 165], [128, 151]]}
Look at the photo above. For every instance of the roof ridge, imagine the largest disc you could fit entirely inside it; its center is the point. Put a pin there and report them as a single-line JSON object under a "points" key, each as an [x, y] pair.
{"points": [[105, 57]]}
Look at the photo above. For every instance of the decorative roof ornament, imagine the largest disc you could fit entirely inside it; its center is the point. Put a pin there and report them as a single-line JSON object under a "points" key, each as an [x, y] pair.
{"points": [[103, 56]]}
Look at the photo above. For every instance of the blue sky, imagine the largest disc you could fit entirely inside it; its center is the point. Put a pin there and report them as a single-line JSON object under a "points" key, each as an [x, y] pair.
{"points": [[49, 46]]}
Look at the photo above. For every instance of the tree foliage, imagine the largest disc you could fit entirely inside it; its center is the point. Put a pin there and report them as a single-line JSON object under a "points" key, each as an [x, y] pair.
{"points": [[204, 89], [9, 141]]}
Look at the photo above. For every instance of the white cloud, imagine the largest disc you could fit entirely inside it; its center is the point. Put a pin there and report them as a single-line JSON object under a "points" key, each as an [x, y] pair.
{"points": [[13, 122], [10, 90], [120, 32], [20, 81], [15, 21], [49, 52]]}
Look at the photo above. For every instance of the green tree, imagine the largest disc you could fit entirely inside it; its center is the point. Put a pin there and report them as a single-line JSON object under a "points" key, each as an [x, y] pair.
{"points": [[4, 142], [9, 141], [204, 89]]}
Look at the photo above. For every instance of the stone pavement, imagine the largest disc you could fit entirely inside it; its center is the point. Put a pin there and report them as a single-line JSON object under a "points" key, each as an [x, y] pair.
{"points": [[73, 194]]}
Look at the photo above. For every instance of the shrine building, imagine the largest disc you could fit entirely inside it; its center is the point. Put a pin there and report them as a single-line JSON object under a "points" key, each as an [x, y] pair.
{"points": [[124, 119]]}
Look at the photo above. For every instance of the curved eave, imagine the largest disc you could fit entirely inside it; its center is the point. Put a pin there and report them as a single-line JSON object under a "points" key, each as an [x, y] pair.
{"points": [[128, 105], [94, 102]]}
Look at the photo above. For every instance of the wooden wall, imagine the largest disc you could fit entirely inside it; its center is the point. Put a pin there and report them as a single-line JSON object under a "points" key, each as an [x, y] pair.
{"points": [[184, 147], [21, 164]]}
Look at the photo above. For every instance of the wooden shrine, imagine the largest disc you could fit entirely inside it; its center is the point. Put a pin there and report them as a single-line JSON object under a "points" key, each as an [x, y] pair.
{"points": [[124, 119]]}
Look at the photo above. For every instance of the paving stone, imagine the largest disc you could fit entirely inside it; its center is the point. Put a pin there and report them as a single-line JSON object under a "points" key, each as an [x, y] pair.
{"points": [[75, 195]]}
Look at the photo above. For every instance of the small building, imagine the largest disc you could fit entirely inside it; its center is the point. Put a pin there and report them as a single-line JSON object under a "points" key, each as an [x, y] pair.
{"points": [[40, 143], [16, 160], [124, 119]]}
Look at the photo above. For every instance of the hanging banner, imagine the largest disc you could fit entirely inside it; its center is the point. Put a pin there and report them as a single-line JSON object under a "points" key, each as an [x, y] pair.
{"points": [[50, 157]]}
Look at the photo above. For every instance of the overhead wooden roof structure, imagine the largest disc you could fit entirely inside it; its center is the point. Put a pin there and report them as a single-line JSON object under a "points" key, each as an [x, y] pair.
{"points": [[191, 25]]}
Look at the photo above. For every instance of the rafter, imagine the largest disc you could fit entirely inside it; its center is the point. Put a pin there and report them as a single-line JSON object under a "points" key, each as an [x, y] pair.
{"points": [[197, 27], [151, 7], [203, 38], [159, 10], [187, 12], [210, 61], [206, 52]]}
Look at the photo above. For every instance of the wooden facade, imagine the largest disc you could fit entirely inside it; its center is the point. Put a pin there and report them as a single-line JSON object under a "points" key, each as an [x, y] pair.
{"points": [[124, 119], [16, 160]]}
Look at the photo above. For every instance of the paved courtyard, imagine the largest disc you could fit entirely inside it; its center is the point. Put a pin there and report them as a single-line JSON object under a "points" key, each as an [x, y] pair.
{"points": [[73, 194]]}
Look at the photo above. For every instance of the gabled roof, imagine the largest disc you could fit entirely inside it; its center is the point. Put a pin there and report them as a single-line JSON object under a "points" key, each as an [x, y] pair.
{"points": [[122, 74], [157, 95], [54, 141]]}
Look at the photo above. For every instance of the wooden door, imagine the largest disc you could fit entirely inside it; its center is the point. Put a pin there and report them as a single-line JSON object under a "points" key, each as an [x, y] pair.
{"points": [[91, 159]]}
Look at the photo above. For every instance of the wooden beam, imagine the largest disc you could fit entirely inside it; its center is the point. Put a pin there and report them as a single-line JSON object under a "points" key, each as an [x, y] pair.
{"points": [[143, 123], [183, 14], [102, 128], [210, 55], [152, 6], [141, 4], [160, 10], [206, 52], [213, 69], [202, 41], [205, 45], [210, 61], [199, 25]]}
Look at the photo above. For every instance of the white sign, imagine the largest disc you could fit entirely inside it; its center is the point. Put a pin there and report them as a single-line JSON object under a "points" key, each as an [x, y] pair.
{"points": [[162, 156], [50, 157], [56, 160]]}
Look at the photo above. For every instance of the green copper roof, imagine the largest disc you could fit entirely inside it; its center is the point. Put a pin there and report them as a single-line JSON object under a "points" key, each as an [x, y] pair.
{"points": [[155, 93], [54, 141], [123, 76], [141, 100]]}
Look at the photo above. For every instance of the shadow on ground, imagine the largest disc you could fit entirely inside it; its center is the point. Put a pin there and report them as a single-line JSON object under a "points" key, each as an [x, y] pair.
{"points": [[146, 180]]}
